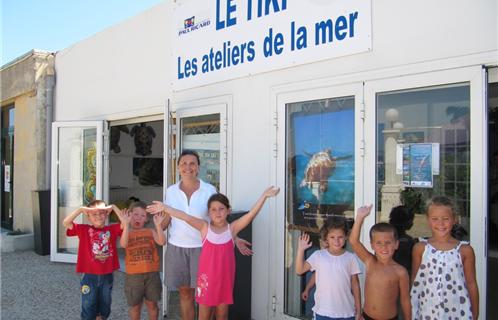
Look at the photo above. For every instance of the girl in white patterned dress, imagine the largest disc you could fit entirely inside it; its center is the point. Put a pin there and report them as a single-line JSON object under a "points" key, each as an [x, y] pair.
{"points": [[443, 270]]}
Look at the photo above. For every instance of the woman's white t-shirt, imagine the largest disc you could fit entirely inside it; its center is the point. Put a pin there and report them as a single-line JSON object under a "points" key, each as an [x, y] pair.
{"points": [[181, 234], [333, 295]]}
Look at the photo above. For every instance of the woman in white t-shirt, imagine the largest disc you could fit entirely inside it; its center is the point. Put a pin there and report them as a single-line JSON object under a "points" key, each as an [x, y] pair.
{"points": [[189, 195], [337, 294]]}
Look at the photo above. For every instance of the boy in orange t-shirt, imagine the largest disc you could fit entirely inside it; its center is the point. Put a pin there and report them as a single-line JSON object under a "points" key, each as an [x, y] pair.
{"points": [[142, 279]]}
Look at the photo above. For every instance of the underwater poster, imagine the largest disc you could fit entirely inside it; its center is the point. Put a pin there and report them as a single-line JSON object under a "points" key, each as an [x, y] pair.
{"points": [[324, 161]]}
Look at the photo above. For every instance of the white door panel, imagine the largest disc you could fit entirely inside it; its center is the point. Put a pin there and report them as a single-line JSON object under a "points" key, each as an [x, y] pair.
{"points": [[77, 164]]}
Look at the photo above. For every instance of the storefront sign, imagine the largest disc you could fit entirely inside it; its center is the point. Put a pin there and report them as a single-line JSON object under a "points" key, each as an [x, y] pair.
{"points": [[218, 40]]}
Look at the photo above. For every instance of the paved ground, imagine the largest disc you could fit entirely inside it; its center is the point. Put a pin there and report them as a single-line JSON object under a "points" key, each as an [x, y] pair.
{"points": [[32, 287]]}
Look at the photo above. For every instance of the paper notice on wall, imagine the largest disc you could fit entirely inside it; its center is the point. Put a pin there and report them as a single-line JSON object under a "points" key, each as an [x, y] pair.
{"points": [[435, 159], [7, 178], [399, 158], [421, 165], [403, 166]]}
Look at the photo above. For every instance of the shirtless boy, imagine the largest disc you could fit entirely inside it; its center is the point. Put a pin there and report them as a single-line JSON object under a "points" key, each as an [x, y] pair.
{"points": [[385, 280]]}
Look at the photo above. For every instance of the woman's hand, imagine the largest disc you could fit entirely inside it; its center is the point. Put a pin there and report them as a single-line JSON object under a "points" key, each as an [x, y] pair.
{"points": [[243, 246]]}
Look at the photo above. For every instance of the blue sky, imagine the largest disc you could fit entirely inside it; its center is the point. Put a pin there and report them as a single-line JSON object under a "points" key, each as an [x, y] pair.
{"points": [[53, 25]]}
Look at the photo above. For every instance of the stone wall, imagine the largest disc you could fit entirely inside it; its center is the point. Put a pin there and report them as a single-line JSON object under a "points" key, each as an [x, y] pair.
{"points": [[24, 83]]}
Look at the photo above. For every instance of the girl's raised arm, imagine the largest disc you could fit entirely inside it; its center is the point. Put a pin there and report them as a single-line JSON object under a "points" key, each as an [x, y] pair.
{"points": [[244, 221], [300, 264]]}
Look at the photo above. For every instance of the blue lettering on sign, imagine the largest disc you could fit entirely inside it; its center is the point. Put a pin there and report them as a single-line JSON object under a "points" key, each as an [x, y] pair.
{"points": [[227, 56], [276, 5], [187, 69], [230, 19], [298, 37], [325, 30], [273, 43]]}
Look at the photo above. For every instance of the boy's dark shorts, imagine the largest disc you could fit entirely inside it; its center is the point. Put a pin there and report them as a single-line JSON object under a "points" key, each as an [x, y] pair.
{"points": [[142, 285]]}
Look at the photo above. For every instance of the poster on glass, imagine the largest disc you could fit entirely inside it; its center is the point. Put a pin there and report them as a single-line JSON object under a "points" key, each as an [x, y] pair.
{"points": [[417, 165], [323, 185]]}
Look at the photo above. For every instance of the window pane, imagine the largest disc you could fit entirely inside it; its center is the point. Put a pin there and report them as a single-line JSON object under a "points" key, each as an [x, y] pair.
{"points": [[423, 150], [320, 181], [202, 134], [76, 178]]}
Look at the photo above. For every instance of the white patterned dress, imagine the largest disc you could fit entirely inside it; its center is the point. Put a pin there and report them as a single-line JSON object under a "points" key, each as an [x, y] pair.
{"points": [[439, 290]]}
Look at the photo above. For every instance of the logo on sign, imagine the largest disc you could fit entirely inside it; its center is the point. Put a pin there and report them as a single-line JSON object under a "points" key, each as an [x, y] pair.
{"points": [[189, 25]]}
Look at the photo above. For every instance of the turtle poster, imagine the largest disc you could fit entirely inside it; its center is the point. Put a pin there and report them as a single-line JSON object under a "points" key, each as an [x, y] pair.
{"points": [[323, 179]]}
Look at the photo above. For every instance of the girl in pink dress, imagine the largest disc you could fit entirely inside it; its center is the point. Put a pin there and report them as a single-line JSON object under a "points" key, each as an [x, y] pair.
{"points": [[216, 272]]}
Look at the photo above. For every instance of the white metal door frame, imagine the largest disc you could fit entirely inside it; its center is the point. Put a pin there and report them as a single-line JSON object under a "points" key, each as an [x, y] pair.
{"points": [[475, 76], [191, 110], [99, 125], [282, 97]]}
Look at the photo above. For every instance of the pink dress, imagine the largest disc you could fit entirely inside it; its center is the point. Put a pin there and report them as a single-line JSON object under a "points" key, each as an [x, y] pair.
{"points": [[216, 274]]}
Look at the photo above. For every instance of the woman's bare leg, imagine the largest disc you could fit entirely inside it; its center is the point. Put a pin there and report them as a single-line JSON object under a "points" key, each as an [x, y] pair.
{"points": [[187, 303]]}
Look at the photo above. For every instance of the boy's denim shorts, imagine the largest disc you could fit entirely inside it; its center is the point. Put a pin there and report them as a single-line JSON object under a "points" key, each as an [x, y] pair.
{"points": [[96, 295]]}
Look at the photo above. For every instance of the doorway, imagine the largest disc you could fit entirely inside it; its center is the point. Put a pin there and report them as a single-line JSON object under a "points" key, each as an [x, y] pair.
{"points": [[430, 140], [135, 166], [136, 161], [398, 123], [323, 158], [203, 129], [492, 294], [7, 174]]}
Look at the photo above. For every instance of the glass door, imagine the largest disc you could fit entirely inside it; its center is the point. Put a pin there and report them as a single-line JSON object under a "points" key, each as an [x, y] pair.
{"points": [[204, 130], [7, 118], [430, 140], [76, 179], [321, 157]]}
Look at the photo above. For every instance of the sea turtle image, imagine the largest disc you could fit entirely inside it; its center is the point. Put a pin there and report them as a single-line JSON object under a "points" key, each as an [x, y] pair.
{"points": [[319, 169]]}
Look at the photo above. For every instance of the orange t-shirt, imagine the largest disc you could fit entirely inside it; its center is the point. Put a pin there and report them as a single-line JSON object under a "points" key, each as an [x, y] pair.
{"points": [[141, 252]]}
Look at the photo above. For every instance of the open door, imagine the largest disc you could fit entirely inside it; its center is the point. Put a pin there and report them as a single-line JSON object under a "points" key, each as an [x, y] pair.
{"points": [[204, 130], [77, 166]]}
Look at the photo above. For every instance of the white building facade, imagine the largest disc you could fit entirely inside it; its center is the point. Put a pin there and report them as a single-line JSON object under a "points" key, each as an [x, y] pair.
{"points": [[388, 101]]}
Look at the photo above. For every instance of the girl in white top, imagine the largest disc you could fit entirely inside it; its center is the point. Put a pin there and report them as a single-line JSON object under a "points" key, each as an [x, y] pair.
{"points": [[337, 286]]}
